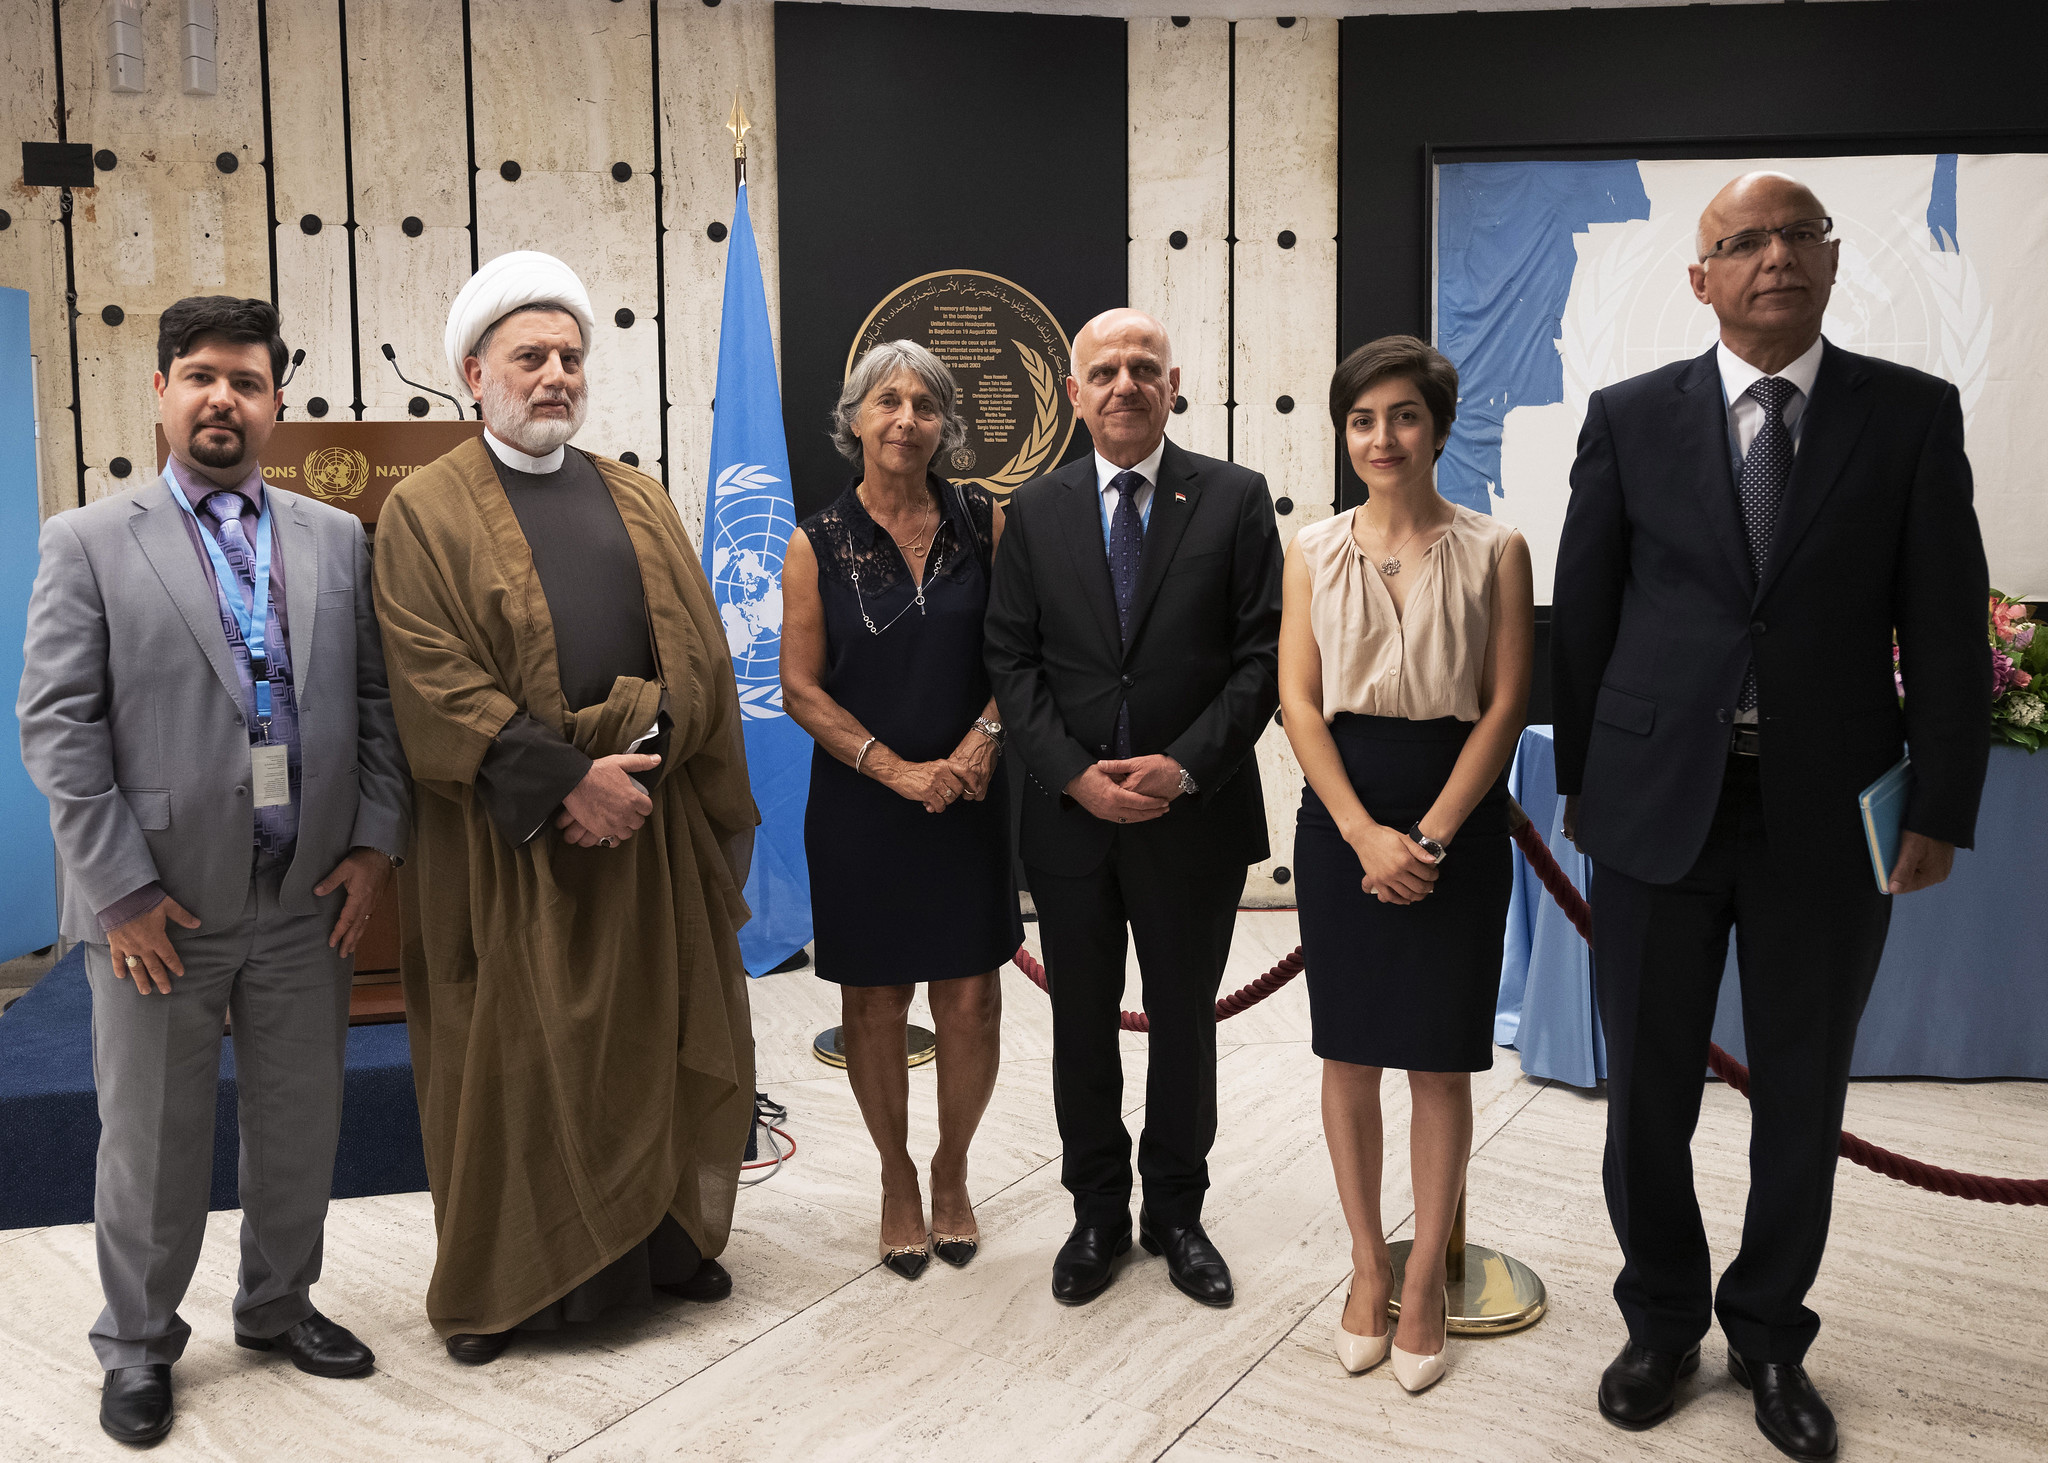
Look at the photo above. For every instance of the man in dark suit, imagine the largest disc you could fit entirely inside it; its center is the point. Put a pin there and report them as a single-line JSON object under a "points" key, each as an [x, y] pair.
{"points": [[1747, 532], [1133, 632]]}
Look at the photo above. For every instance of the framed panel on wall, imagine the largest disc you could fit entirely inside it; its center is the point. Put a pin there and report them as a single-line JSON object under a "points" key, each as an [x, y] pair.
{"points": [[1553, 275]]}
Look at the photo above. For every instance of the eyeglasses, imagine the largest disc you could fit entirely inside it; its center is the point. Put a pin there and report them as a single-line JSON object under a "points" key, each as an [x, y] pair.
{"points": [[1808, 233]]}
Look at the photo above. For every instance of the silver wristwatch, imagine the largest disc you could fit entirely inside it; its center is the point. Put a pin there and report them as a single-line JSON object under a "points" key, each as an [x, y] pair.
{"points": [[1188, 785], [1427, 844], [993, 730]]}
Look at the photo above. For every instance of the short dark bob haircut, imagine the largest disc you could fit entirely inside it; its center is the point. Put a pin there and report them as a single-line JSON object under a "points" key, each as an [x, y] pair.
{"points": [[1406, 357], [239, 322]]}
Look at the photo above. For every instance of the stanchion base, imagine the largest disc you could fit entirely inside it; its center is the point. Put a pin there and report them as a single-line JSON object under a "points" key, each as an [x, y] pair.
{"points": [[920, 1046], [1498, 1294]]}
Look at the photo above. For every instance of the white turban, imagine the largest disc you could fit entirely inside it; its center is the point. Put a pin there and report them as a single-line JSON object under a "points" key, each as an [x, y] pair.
{"points": [[504, 285]]}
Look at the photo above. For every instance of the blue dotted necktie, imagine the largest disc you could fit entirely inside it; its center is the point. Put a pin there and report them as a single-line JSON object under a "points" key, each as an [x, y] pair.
{"points": [[1765, 472], [1126, 546]]}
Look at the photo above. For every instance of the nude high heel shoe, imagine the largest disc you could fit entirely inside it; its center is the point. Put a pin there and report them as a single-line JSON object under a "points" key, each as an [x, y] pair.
{"points": [[1360, 1353], [1417, 1373]]}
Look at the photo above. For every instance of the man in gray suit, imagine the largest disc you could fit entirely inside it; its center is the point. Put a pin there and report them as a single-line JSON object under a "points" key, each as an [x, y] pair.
{"points": [[204, 705]]}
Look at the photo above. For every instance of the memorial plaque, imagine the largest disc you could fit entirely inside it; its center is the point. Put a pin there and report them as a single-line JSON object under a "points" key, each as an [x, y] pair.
{"points": [[1008, 355]]}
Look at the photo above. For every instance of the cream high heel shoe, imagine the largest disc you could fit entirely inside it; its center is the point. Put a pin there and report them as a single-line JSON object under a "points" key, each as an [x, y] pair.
{"points": [[1360, 1353], [1417, 1373]]}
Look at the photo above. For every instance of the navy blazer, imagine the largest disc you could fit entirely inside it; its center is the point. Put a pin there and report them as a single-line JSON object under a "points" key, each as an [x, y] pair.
{"points": [[1200, 670], [1655, 618]]}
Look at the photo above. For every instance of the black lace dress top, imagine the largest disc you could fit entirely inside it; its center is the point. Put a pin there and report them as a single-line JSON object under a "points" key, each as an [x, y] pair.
{"points": [[899, 895]]}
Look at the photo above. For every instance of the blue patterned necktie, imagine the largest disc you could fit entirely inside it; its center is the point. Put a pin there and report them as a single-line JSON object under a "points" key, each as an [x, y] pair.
{"points": [[1765, 472], [1126, 547], [277, 827]]}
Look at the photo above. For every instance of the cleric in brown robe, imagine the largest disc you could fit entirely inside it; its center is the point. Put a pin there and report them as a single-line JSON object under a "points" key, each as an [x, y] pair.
{"points": [[577, 1007]]}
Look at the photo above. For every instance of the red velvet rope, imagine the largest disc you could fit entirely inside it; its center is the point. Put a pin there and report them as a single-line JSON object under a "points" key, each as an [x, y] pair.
{"points": [[1856, 1150]]}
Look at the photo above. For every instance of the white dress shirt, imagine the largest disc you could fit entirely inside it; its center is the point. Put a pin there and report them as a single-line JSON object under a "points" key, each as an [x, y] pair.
{"points": [[513, 458], [1746, 415], [1105, 470]]}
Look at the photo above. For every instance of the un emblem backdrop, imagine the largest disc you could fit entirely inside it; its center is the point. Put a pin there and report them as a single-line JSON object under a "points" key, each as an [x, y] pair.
{"points": [[1555, 279]]}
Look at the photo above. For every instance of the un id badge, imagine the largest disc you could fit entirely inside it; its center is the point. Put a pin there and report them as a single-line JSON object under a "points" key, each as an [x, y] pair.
{"points": [[270, 775]]}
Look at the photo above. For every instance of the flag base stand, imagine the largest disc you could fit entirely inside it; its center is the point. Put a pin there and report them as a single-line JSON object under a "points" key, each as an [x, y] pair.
{"points": [[1486, 1292], [919, 1046]]}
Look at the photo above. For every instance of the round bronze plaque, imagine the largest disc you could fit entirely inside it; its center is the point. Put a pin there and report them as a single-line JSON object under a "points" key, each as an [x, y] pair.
{"points": [[1008, 355]]}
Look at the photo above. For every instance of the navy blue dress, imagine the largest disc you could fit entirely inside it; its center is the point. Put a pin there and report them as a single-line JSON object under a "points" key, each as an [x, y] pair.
{"points": [[899, 895]]}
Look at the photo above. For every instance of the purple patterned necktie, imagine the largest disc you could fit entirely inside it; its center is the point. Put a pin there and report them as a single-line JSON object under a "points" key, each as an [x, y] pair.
{"points": [[277, 827], [1126, 547], [1761, 491]]}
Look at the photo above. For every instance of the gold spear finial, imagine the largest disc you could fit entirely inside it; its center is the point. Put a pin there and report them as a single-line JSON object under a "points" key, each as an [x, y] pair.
{"points": [[738, 126]]}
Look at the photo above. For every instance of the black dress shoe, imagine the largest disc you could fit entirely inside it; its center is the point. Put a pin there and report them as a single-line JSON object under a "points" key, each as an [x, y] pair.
{"points": [[711, 1282], [1788, 1410], [317, 1346], [1081, 1269], [1640, 1386], [135, 1403], [472, 1348], [1194, 1264]]}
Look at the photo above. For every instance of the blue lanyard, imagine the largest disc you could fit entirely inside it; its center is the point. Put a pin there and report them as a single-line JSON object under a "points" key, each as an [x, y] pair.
{"points": [[252, 620]]}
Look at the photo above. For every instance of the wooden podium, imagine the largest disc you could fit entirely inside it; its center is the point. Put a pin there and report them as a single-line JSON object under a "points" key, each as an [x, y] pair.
{"points": [[354, 466]]}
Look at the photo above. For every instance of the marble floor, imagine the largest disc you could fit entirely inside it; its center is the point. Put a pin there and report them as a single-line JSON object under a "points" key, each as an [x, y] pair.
{"points": [[1935, 1344]]}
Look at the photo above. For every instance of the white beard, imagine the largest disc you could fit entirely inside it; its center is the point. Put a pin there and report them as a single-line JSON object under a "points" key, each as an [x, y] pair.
{"points": [[510, 416]]}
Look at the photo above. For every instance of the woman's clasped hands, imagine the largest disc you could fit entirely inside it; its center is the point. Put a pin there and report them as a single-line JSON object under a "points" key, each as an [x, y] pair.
{"points": [[1396, 868], [938, 785]]}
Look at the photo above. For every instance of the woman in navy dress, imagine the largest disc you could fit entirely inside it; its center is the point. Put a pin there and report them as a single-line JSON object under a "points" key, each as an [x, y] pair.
{"points": [[907, 830]]}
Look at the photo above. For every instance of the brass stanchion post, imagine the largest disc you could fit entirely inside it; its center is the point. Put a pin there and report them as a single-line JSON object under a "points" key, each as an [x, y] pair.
{"points": [[919, 1046], [1487, 1293]]}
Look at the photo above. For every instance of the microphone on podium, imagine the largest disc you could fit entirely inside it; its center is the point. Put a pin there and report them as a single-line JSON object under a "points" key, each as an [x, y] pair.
{"points": [[392, 356], [298, 358]]}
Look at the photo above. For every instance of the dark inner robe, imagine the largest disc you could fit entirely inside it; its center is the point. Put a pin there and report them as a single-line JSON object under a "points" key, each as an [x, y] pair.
{"points": [[591, 578]]}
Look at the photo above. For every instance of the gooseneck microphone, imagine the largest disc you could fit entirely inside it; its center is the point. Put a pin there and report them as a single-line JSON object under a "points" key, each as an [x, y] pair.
{"points": [[392, 356]]}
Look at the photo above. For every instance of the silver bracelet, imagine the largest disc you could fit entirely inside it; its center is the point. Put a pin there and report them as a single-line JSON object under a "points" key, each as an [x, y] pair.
{"points": [[857, 756]]}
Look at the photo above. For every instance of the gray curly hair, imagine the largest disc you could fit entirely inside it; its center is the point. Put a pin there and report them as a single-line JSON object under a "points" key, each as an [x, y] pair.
{"points": [[878, 365]]}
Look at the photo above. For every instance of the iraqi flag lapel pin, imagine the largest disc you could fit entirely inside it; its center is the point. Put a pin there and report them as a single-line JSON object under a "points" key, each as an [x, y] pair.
{"points": [[1180, 497]]}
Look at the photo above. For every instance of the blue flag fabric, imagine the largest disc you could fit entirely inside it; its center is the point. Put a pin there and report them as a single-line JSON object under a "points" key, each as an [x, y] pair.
{"points": [[749, 516]]}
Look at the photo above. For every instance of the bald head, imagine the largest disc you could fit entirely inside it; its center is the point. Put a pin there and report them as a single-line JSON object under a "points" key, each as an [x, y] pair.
{"points": [[1124, 383], [1756, 201], [1770, 289]]}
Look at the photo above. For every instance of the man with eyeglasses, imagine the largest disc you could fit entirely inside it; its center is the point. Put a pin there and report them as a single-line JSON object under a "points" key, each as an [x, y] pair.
{"points": [[1748, 532]]}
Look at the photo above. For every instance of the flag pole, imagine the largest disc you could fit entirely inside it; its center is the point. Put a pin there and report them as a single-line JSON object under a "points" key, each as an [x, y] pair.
{"points": [[739, 127]]}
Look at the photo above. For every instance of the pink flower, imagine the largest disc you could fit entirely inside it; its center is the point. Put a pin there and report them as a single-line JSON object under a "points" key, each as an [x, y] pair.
{"points": [[2004, 674], [2021, 679]]}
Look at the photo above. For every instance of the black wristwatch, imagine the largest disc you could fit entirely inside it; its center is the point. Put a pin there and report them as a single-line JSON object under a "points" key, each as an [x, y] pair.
{"points": [[1428, 845]]}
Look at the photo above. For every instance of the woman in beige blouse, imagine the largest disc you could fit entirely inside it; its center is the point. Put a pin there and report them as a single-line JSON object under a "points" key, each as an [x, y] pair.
{"points": [[1405, 652]]}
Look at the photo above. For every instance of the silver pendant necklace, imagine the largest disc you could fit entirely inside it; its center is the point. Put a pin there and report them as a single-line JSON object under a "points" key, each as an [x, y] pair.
{"points": [[916, 602], [1391, 565]]}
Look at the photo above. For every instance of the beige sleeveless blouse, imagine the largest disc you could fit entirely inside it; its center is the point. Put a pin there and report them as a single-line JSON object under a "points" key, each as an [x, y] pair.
{"points": [[1419, 664]]}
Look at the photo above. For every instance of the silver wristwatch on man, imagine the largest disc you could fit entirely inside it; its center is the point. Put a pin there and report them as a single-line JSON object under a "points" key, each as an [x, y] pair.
{"points": [[1188, 786]]}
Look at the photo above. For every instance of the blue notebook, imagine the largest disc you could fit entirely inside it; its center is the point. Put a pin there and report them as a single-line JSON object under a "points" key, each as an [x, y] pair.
{"points": [[1884, 810]]}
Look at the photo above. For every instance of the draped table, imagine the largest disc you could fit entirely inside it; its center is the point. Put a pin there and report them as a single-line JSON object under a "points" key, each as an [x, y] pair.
{"points": [[1962, 991]]}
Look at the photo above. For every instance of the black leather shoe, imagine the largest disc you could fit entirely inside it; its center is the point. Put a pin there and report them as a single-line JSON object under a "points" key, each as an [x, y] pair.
{"points": [[1082, 1269], [1640, 1386], [1788, 1410], [474, 1349], [711, 1282], [317, 1346], [1194, 1264], [135, 1403]]}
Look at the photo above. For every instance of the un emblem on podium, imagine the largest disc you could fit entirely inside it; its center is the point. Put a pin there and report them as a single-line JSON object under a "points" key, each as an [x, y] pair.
{"points": [[336, 474]]}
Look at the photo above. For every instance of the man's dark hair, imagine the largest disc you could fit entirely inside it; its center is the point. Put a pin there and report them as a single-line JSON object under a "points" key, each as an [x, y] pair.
{"points": [[1435, 378], [239, 322]]}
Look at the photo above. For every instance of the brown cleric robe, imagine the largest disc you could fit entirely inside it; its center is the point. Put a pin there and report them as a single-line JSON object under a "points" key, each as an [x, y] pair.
{"points": [[578, 1017]]}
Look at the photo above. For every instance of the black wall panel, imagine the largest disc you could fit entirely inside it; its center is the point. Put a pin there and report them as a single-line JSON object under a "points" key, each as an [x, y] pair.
{"points": [[921, 140]]}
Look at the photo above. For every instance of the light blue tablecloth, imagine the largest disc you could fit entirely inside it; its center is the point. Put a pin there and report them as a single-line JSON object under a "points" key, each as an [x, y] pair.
{"points": [[1962, 991]]}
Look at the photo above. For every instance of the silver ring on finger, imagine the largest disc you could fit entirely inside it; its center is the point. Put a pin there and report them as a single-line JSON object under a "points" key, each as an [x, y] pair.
{"points": [[133, 963], [607, 843]]}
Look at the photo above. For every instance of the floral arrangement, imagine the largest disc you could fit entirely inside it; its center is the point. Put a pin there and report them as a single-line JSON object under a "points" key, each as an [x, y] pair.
{"points": [[2019, 658]]}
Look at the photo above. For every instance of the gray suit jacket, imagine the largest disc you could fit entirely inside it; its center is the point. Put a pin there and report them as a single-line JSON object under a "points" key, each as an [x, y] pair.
{"points": [[132, 721]]}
